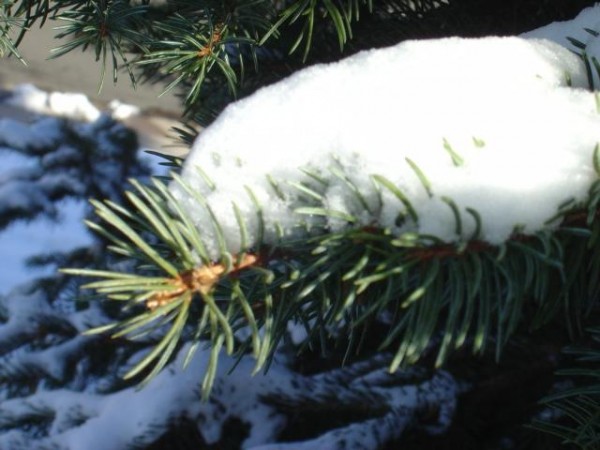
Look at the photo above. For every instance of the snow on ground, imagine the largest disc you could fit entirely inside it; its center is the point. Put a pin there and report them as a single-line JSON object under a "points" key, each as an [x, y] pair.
{"points": [[500, 129]]}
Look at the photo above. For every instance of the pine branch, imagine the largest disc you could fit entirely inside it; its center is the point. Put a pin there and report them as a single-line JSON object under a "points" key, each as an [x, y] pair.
{"points": [[110, 28], [8, 22], [335, 282], [578, 408]]}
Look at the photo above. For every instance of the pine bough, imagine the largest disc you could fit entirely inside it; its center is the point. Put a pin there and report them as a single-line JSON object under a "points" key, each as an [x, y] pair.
{"points": [[439, 220]]}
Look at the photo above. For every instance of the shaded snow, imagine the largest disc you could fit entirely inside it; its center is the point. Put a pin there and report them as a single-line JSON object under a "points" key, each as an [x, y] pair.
{"points": [[44, 235], [77, 419], [29, 185], [568, 31], [131, 414], [16, 134], [579, 35]]}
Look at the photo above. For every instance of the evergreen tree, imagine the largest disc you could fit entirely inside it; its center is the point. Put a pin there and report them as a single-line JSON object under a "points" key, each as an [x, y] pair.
{"points": [[358, 293]]}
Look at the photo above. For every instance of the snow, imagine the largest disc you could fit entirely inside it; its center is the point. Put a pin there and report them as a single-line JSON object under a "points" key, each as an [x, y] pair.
{"points": [[16, 134], [61, 227], [20, 242], [122, 111], [566, 31], [141, 415], [131, 413], [36, 161], [492, 123], [579, 35], [72, 105]]}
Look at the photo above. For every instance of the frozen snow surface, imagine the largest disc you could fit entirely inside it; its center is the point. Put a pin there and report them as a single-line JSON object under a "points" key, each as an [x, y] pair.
{"points": [[502, 128]]}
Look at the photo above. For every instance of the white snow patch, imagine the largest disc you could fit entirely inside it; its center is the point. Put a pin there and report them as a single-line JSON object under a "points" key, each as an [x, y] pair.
{"points": [[492, 123], [122, 111], [72, 105]]}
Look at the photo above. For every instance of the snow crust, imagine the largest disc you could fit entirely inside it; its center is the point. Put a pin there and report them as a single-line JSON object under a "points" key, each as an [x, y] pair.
{"points": [[501, 126]]}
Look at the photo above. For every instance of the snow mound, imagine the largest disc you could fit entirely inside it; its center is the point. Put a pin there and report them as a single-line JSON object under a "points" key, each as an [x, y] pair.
{"points": [[500, 126]]}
